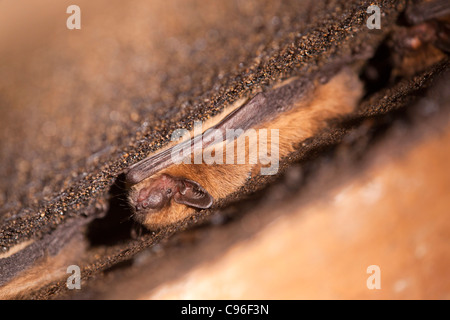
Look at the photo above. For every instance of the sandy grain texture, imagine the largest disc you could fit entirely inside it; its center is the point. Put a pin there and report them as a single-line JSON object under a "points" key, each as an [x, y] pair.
{"points": [[79, 107]]}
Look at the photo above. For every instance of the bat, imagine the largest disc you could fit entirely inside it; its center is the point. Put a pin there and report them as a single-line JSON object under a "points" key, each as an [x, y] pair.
{"points": [[164, 191], [420, 39], [431, 23], [425, 39]]}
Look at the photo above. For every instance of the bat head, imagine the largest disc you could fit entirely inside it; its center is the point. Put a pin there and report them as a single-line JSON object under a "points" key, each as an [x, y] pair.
{"points": [[164, 199]]}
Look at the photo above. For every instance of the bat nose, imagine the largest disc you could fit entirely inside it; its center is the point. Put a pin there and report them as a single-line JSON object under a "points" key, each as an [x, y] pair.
{"points": [[150, 199]]}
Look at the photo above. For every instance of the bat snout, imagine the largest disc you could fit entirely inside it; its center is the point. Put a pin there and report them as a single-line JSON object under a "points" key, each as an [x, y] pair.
{"points": [[151, 199]]}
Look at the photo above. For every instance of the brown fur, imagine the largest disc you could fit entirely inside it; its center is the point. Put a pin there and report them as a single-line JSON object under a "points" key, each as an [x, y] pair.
{"points": [[337, 97]]}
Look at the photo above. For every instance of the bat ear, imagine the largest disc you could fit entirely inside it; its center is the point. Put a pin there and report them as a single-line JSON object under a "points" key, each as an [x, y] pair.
{"points": [[192, 194]]}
